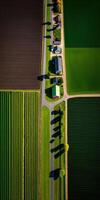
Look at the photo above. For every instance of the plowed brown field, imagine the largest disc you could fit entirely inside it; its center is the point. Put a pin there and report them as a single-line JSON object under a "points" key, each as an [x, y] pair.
{"points": [[20, 43]]}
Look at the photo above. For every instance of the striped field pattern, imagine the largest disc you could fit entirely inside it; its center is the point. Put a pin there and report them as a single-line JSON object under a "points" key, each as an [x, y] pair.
{"points": [[19, 126]]}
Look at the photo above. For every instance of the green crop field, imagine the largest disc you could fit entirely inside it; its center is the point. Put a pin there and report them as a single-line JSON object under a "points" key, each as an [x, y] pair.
{"points": [[82, 43], [59, 183], [31, 128], [84, 148], [83, 70], [19, 125], [45, 154]]}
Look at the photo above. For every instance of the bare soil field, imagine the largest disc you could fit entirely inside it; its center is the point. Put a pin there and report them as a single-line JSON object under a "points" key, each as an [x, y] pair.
{"points": [[20, 43]]}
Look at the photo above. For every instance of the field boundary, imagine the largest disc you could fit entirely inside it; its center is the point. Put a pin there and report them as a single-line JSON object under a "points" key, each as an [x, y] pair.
{"points": [[12, 90]]}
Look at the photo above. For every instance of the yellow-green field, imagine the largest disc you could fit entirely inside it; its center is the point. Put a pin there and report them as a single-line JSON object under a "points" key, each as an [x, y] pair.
{"points": [[45, 154]]}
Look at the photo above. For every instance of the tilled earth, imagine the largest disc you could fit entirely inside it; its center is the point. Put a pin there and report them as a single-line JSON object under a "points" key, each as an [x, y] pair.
{"points": [[20, 43]]}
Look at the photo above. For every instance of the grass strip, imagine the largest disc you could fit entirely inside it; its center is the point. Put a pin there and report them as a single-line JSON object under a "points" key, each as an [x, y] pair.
{"points": [[60, 162], [45, 161]]}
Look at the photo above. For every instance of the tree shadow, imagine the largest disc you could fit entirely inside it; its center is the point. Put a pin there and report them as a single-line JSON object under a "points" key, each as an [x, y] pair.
{"points": [[48, 92], [60, 112], [49, 47], [55, 120], [57, 134], [51, 80], [54, 28], [47, 36], [57, 148], [57, 155], [60, 149], [46, 23], [55, 173], [55, 112], [57, 128], [51, 67], [43, 77], [52, 140], [50, 4]]}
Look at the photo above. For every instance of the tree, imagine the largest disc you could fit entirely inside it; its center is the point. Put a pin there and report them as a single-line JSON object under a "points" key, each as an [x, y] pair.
{"points": [[62, 173]]}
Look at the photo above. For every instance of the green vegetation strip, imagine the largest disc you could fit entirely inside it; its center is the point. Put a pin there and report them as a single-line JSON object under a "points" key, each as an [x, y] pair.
{"points": [[31, 127], [48, 39], [45, 159], [48, 43], [16, 139], [4, 146], [19, 126], [60, 162]]}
